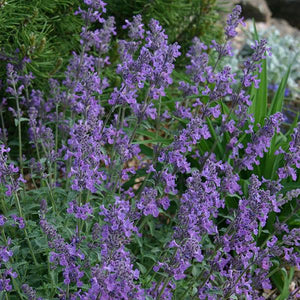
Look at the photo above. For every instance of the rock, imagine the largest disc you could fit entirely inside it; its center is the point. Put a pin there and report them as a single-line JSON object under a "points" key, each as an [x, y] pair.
{"points": [[257, 9], [286, 9], [285, 28]]}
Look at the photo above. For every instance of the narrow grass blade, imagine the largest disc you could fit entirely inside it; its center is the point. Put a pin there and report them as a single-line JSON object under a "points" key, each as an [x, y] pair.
{"points": [[255, 34], [286, 283], [277, 102], [259, 96], [214, 135]]}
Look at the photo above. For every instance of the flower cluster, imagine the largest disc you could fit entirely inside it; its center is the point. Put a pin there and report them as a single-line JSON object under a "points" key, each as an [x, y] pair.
{"points": [[66, 255], [115, 277], [292, 157], [8, 171], [7, 273], [154, 65], [260, 143], [80, 212], [86, 151]]}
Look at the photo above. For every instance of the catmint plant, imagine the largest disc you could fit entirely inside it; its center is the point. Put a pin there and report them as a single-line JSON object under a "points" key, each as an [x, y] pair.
{"points": [[129, 183]]}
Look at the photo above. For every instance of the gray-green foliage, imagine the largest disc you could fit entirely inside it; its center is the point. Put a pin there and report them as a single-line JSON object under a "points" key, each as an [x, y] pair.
{"points": [[285, 52]]}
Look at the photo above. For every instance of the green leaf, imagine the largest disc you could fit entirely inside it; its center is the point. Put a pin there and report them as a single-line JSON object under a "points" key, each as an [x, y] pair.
{"points": [[142, 268], [277, 102], [146, 150], [139, 241], [146, 133], [154, 141], [152, 257], [41, 242], [150, 223], [255, 33], [196, 270], [225, 109], [277, 279], [214, 135], [286, 283], [24, 119], [295, 221], [260, 96], [271, 161], [183, 121]]}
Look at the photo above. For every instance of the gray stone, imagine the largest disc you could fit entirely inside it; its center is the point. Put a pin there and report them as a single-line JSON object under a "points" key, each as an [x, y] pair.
{"points": [[257, 9], [285, 28]]}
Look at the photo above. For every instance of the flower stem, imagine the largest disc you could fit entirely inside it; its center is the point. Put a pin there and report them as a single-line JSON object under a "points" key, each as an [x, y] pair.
{"points": [[25, 230], [19, 129], [56, 144]]}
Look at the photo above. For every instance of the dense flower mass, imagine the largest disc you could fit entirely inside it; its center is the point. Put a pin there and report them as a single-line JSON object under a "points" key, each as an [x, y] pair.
{"points": [[155, 184]]}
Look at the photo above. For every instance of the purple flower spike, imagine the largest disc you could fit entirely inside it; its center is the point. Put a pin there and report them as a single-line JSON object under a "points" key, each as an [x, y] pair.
{"points": [[233, 21], [8, 173], [136, 30]]}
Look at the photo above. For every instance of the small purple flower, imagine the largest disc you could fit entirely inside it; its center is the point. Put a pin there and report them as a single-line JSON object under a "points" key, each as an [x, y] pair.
{"points": [[292, 157], [287, 92], [148, 203], [222, 50], [3, 220], [273, 87], [170, 182], [8, 173], [18, 221], [5, 254], [29, 292], [153, 64], [5, 284], [167, 294], [80, 212], [92, 14]]}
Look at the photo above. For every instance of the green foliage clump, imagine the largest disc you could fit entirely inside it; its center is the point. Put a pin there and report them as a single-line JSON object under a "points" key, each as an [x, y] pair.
{"points": [[181, 19], [46, 32]]}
